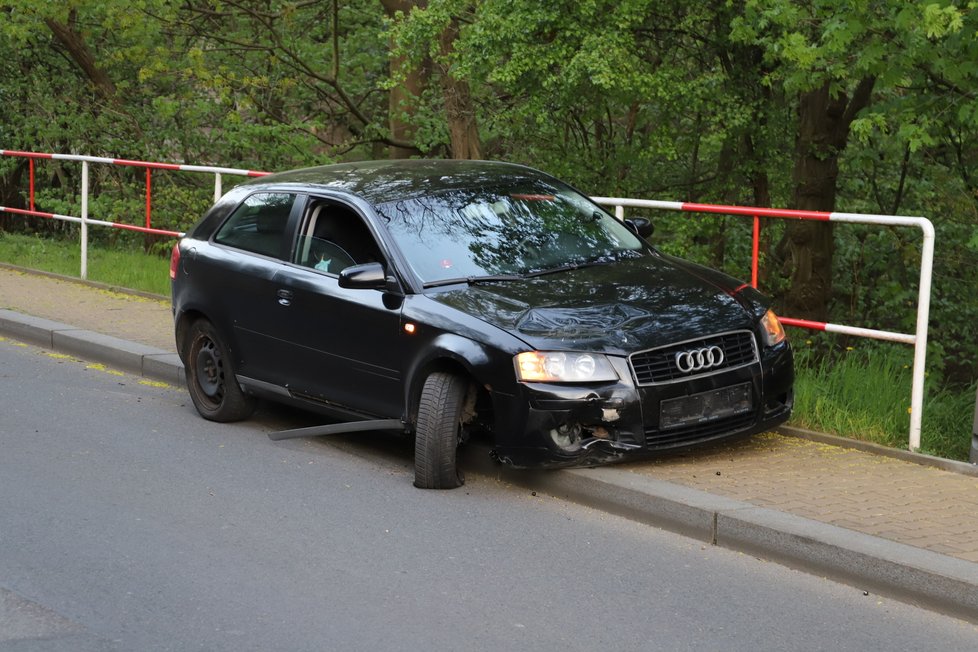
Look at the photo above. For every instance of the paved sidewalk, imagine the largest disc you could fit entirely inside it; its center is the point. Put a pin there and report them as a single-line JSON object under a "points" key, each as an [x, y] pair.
{"points": [[917, 505], [138, 318], [901, 528]]}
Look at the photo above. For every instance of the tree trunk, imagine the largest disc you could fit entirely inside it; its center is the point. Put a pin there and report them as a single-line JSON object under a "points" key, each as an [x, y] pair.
{"points": [[402, 97], [401, 105], [83, 58], [463, 130], [462, 126], [808, 246]]}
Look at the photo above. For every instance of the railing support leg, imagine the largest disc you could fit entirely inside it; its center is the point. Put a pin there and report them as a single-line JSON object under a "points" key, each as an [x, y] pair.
{"points": [[755, 251], [84, 221], [920, 340], [30, 165], [149, 197]]}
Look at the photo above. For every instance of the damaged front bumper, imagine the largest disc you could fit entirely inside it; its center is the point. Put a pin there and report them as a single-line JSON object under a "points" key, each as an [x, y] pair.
{"points": [[552, 425]]}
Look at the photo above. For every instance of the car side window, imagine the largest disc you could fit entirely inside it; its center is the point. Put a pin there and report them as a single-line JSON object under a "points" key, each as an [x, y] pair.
{"points": [[258, 224], [335, 237]]}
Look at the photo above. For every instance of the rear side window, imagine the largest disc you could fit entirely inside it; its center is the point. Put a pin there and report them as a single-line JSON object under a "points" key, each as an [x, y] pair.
{"points": [[258, 224]]}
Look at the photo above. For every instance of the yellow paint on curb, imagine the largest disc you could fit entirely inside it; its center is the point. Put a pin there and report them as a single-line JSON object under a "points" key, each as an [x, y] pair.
{"points": [[156, 383], [101, 367]]}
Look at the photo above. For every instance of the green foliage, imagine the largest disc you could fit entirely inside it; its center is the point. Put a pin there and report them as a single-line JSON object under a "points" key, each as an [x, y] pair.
{"points": [[832, 395], [831, 392]]}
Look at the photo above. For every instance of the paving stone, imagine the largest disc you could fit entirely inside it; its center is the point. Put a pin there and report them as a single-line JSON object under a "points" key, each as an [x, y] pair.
{"points": [[901, 501]]}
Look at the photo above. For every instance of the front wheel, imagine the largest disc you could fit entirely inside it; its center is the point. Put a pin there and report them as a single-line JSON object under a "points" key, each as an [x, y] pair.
{"points": [[437, 433], [210, 376]]}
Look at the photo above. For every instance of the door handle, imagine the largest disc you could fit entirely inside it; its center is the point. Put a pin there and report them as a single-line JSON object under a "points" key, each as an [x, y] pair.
{"points": [[285, 297]]}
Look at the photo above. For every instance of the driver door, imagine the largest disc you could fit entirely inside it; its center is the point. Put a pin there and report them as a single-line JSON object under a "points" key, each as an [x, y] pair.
{"points": [[343, 344]]}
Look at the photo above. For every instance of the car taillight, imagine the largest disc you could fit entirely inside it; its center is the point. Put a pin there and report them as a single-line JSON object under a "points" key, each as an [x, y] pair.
{"points": [[174, 261]]}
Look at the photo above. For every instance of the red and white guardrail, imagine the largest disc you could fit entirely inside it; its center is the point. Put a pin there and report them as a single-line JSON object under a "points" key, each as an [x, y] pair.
{"points": [[918, 339], [85, 220]]}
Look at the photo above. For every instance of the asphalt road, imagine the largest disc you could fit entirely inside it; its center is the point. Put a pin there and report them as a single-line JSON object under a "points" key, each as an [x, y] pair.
{"points": [[129, 523]]}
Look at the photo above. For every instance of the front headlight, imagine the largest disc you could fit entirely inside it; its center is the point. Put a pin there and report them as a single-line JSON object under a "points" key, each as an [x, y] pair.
{"points": [[772, 332], [562, 367]]}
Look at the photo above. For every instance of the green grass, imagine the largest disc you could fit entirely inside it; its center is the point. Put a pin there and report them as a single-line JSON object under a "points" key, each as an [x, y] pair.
{"points": [[864, 393], [123, 266], [860, 393]]}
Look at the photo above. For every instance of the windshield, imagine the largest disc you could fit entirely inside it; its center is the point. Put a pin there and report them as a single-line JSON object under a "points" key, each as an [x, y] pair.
{"points": [[479, 232]]}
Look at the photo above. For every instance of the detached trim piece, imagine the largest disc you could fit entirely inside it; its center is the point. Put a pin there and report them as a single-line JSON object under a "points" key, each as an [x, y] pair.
{"points": [[337, 429]]}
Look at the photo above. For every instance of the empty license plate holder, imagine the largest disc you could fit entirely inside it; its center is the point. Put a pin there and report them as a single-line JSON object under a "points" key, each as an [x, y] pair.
{"points": [[705, 406]]}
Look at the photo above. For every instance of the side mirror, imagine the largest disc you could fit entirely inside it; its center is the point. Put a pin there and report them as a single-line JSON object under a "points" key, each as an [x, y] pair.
{"points": [[368, 276], [640, 226]]}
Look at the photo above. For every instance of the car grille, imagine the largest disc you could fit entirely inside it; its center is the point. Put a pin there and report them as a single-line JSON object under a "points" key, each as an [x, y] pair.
{"points": [[659, 365], [674, 437]]}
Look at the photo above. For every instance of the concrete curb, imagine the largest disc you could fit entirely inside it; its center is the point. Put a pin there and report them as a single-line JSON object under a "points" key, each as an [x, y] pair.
{"points": [[909, 574], [135, 358]]}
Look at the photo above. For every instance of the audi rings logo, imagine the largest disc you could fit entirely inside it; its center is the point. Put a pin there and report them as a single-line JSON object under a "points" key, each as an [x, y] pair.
{"points": [[699, 359]]}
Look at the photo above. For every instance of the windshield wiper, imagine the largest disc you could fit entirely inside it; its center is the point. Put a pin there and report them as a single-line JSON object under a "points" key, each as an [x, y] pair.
{"points": [[502, 278], [569, 267], [474, 280]]}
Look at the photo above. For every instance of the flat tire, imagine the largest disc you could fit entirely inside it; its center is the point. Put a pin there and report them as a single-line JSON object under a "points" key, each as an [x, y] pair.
{"points": [[437, 432]]}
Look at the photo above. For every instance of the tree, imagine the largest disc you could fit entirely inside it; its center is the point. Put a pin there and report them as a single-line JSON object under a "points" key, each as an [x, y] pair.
{"points": [[424, 57], [835, 58]]}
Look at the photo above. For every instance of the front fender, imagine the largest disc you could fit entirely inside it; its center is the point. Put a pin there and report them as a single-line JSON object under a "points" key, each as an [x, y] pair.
{"points": [[486, 366]]}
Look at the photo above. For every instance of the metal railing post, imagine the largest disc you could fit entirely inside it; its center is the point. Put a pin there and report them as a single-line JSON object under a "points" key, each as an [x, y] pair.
{"points": [[755, 251], [30, 165], [217, 186], [149, 197], [920, 340], [84, 221]]}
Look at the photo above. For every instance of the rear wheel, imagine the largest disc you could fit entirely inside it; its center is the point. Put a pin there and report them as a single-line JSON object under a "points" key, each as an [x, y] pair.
{"points": [[210, 376], [438, 431]]}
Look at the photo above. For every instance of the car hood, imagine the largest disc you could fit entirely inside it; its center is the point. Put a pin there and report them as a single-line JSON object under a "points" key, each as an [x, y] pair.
{"points": [[617, 308]]}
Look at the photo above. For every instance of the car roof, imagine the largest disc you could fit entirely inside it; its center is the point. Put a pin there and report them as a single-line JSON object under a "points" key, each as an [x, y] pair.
{"points": [[383, 181]]}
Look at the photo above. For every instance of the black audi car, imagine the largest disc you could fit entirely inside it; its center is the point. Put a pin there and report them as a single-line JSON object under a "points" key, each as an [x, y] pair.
{"points": [[452, 298]]}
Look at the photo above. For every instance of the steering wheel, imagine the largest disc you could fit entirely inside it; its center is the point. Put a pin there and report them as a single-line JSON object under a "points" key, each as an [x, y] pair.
{"points": [[329, 257]]}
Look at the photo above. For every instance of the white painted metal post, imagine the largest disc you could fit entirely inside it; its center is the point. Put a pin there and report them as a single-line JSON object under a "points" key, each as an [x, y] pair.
{"points": [[217, 186], [84, 221], [923, 309], [620, 212], [920, 343]]}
